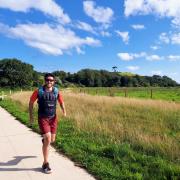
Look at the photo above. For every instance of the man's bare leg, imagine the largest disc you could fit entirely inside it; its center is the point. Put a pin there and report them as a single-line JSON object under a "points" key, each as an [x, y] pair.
{"points": [[45, 147], [53, 137]]}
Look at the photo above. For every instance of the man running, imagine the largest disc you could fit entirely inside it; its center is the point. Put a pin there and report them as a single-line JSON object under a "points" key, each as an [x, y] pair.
{"points": [[47, 96]]}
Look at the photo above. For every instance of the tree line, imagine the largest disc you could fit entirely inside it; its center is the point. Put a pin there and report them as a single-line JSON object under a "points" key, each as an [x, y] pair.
{"points": [[15, 73]]}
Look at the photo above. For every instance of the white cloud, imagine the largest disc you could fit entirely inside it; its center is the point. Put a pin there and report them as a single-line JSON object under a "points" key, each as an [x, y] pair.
{"points": [[99, 14], [161, 8], [95, 30], [85, 26], [174, 73], [173, 58], [156, 72], [49, 7], [176, 22], [105, 33], [167, 38], [140, 55], [79, 50], [138, 26], [48, 39], [155, 47], [164, 38], [124, 36], [125, 56], [130, 56], [133, 68], [175, 76], [153, 57], [175, 38], [135, 7]]}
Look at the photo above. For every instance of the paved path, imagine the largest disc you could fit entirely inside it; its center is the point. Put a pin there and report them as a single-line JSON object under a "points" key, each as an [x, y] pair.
{"points": [[21, 158]]}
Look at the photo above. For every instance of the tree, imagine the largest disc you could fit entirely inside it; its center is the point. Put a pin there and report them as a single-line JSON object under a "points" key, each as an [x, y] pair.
{"points": [[61, 75], [114, 68], [15, 73], [124, 81]]}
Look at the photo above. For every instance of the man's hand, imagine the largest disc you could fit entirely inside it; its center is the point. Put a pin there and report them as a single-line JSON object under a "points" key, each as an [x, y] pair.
{"points": [[30, 125], [31, 122]]}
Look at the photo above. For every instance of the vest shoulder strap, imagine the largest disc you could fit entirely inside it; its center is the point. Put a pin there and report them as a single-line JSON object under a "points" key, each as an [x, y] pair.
{"points": [[56, 91], [41, 91]]}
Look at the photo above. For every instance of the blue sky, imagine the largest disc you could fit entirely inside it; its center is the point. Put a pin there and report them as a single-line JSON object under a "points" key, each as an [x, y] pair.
{"points": [[142, 36]]}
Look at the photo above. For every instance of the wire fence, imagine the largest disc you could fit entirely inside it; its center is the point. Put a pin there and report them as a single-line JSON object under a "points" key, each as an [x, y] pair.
{"points": [[5, 93], [172, 94]]}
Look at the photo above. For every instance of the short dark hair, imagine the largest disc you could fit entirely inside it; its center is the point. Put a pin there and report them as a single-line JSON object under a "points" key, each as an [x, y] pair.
{"points": [[49, 75]]}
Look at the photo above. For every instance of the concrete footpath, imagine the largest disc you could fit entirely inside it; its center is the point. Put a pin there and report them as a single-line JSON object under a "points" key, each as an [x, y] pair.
{"points": [[21, 157]]}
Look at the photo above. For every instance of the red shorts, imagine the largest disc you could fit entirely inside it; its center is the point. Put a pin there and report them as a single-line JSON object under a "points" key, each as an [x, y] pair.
{"points": [[47, 124]]}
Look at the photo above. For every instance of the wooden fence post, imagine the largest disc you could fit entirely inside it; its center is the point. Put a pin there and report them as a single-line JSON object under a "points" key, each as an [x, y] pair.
{"points": [[111, 92], [125, 92], [151, 93]]}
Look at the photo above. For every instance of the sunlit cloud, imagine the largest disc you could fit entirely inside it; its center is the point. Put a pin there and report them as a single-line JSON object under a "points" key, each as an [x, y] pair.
{"points": [[49, 7], [100, 14], [124, 36], [55, 41]]}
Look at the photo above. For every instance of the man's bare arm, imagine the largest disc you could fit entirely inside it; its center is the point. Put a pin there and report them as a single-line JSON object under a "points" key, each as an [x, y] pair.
{"points": [[63, 109], [31, 118]]}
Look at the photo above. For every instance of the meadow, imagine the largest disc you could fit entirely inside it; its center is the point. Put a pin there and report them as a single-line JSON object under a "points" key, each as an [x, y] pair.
{"points": [[115, 137], [169, 94]]}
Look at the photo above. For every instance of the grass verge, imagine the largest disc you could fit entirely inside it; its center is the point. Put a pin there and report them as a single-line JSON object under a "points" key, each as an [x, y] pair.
{"points": [[99, 155]]}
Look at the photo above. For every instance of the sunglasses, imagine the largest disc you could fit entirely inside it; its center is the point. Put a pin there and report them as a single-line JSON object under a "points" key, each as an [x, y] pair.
{"points": [[49, 80]]}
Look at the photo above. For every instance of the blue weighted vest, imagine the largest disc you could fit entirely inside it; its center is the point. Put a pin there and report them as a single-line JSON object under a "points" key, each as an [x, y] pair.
{"points": [[47, 102]]}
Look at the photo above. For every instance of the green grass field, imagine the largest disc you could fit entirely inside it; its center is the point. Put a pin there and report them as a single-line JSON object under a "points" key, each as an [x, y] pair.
{"points": [[169, 94], [116, 139]]}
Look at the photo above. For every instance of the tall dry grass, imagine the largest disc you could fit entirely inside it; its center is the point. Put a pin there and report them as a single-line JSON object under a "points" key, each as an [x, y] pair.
{"points": [[151, 124]]}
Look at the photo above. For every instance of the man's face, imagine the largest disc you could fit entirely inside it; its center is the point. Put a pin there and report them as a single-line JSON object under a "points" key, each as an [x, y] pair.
{"points": [[49, 81]]}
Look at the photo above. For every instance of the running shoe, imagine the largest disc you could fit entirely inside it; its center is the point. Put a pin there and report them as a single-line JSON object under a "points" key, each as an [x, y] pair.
{"points": [[46, 168]]}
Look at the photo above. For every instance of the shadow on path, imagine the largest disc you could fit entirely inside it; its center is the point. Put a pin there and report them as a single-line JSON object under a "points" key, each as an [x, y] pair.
{"points": [[15, 161], [38, 169]]}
